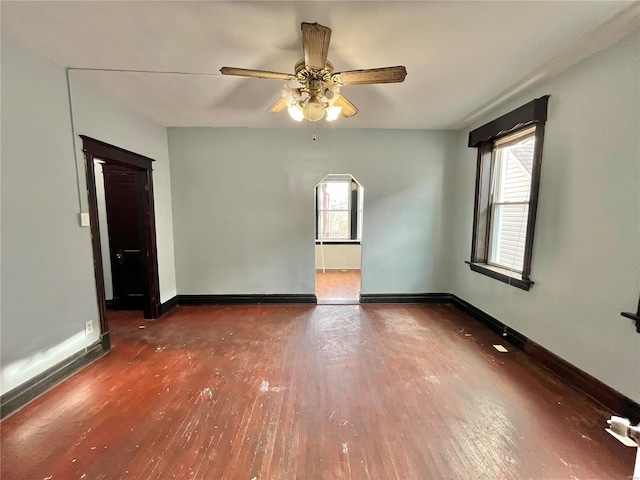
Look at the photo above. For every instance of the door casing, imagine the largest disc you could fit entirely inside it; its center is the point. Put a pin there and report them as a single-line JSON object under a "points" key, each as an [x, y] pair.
{"points": [[96, 149]]}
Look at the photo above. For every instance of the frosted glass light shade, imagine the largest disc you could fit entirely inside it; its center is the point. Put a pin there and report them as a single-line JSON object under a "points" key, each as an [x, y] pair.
{"points": [[333, 113], [313, 111], [295, 112]]}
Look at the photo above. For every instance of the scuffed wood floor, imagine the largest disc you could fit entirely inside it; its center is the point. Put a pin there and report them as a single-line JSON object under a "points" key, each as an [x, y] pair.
{"points": [[338, 286], [305, 392]]}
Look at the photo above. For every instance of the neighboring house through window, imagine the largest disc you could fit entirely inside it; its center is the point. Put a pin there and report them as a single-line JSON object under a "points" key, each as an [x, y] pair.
{"points": [[507, 182]]}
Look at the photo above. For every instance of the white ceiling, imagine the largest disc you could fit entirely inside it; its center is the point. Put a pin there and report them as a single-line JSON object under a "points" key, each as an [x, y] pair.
{"points": [[461, 57]]}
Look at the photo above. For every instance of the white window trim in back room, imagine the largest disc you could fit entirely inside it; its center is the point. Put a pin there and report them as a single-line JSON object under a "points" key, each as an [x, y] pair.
{"points": [[355, 231], [506, 129]]}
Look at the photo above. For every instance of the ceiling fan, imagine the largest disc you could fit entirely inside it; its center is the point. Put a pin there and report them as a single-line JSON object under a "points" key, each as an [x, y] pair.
{"points": [[314, 88]]}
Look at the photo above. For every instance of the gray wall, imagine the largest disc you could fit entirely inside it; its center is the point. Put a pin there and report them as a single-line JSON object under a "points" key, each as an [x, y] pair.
{"points": [[586, 255], [243, 201], [48, 287], [102, 118], [47, 281]]}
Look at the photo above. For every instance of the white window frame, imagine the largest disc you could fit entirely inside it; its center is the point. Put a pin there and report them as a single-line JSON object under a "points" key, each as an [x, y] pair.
{"points": [[322, 210]]}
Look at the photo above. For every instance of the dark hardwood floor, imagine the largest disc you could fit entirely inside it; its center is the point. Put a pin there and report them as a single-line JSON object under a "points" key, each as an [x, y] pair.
{"points": [[310, 392], [338, 287]]}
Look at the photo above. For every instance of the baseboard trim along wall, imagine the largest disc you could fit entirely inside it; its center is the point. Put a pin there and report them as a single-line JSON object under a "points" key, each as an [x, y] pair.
{"points": [[512, 336], [405, 298], [258, 299], [166, 307], [568, 373], [169, 305], [17, 398]]}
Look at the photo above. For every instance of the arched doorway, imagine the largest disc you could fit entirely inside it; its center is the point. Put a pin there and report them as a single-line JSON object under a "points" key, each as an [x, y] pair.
{"points": [[339, 208]]}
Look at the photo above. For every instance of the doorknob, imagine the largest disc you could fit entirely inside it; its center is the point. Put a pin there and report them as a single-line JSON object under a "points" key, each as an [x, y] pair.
{"points": [[120, 257]]}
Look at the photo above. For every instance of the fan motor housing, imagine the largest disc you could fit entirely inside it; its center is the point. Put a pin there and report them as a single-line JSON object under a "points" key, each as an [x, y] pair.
{"points": [[304, 73]]}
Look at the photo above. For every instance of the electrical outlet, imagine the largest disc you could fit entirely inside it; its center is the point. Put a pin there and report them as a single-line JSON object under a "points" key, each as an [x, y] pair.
{"points": [[88, 327]]}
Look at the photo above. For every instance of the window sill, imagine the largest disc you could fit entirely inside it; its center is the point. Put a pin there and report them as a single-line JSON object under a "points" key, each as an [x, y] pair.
{"points": [[500, 275], [338, 242]]}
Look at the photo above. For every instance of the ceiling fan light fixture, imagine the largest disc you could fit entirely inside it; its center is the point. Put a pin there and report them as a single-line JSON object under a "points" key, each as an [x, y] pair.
{"points": [[294, 84], [329, 96], [313, 110], [333, 113], [295, 112], [314, 89]]}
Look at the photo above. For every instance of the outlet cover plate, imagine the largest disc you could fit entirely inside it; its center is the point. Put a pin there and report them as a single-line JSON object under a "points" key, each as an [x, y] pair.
{"points": [[88, 327]]}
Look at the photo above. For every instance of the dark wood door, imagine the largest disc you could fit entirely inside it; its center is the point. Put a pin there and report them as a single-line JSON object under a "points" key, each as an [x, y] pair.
{"points": [[124, 191]]}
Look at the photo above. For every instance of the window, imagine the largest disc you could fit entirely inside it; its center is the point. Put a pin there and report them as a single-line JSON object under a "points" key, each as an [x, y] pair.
{"points": [[338, 209], [509, 199], [507, 181]]}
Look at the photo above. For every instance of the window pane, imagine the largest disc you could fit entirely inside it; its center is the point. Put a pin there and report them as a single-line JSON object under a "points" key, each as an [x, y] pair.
{"points": [[508, 235], [333, 225], [333, 210], [510, 207], [513, 171], [334, 196]]}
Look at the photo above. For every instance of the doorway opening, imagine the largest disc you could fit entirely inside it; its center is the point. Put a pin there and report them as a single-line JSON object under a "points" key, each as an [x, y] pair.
{"points": [[124, 218], [339, 208]]}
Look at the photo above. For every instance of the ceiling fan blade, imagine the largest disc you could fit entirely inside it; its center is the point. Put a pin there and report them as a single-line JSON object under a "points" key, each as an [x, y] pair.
{"points": [[348, 108], [372, 75], [278, 106], [315, 43], [244, 72]]}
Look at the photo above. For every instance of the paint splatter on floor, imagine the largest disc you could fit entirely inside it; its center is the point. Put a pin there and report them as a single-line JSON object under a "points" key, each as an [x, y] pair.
{"points": [[207, 393]]}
